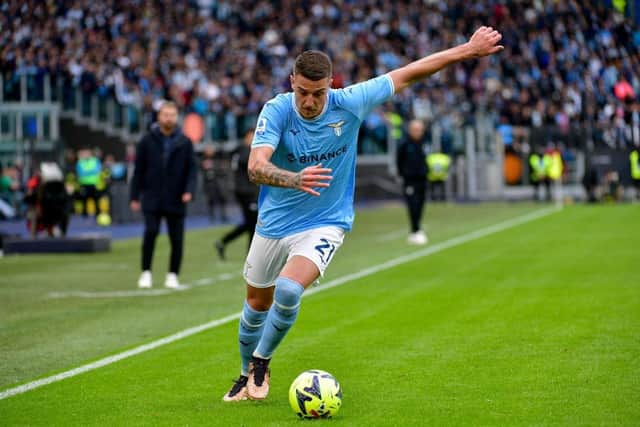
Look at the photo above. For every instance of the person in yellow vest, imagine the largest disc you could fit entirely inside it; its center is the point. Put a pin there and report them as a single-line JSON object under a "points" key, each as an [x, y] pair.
{"points": [[437, 175], [634, 159], [88, 171], [395, 121], [553, 161], [103, 196], [538, 167]]}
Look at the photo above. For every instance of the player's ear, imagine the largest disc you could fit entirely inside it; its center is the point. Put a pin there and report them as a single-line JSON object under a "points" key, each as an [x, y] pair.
{"points": [[291, 80], [330, 81]]}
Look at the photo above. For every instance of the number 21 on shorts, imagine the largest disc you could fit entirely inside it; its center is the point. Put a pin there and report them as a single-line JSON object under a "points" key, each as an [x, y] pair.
{"points": [[325, 249]]}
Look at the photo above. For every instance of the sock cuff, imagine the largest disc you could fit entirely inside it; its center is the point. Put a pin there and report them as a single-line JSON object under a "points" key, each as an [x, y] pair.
{"points": [[251, 317], [253, 312], [289, 283]]}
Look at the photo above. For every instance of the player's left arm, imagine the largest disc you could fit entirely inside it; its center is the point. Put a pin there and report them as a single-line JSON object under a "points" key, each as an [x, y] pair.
{"points": [[482, 43]]}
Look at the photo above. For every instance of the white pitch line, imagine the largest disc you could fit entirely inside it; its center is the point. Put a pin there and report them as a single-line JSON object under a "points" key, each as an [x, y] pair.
{"points": [[203, 282], [392, 235], [115, 294], [331, 284], [135, 293]]}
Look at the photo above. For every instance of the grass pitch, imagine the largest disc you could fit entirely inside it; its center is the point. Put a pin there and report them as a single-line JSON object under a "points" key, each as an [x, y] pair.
{"points": [[538, 324]]}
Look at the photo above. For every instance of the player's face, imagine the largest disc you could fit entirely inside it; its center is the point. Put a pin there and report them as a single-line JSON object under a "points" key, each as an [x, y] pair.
{"points": [[310, 95]]}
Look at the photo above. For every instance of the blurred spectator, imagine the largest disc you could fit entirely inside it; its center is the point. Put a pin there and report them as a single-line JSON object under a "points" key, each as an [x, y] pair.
{"points": [[88, 171], [411, 164], [560, 58], [117, 170], [590, 182], [48, 201], [613, 191], [211, 175], [10, 190], [505, 130], [538, 173], [634, 166], [246, 194], [438, 164]]}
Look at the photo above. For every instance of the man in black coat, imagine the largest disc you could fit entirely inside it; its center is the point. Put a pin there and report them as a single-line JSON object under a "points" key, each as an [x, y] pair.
{"points": [[246, 194], [163, 183], [412, 167]]}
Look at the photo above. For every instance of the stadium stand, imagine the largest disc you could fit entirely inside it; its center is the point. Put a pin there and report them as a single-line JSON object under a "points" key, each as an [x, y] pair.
{"points": [[570, 72], [224, 59]]}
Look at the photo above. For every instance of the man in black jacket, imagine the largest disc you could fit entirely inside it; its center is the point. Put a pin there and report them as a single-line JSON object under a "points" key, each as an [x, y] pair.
{"points": [[246, 194], [163, 182], [412, 167]]}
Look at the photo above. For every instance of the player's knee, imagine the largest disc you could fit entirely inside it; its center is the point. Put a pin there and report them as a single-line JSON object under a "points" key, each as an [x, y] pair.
{"points": [[258, 304], [288, 293]]}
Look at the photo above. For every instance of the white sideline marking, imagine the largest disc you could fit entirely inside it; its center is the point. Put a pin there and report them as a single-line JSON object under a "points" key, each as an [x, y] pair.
{"points": [[142, 292], [392, 235], [396, 234], [116, 294], [455, 241]]}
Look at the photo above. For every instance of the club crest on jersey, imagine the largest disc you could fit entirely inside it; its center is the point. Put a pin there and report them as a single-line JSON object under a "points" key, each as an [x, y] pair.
{"points": [[337, 127]]}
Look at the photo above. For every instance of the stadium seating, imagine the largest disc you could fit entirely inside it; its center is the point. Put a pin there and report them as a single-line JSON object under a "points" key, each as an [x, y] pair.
{"points": [[222, 59]]}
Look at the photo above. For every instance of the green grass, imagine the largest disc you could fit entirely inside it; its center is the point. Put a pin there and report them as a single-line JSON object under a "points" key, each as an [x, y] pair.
{"points": [[535, 325]]}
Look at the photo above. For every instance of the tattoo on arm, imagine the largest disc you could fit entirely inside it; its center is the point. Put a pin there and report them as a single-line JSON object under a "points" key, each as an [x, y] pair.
{"points": [[269, 174]]}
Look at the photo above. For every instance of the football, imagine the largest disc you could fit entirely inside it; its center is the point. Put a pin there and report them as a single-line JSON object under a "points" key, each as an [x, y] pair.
{"points": [[315, 394]]}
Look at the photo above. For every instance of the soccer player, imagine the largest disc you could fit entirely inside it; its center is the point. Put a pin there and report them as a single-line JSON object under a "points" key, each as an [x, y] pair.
{"points": [[304, 156]]}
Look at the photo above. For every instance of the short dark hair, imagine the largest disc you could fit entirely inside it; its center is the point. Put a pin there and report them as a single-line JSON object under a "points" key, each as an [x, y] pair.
{"points": [[313, 64]]}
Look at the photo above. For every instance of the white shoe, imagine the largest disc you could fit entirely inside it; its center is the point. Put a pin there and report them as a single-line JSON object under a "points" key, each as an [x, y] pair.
{"points": [[172, 281], [417, 238], [145, 280]]}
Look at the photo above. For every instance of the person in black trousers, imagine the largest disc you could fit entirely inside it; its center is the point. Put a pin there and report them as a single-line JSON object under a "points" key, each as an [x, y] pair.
{"points": [[163, 183], [246, 193], [412, 167]]}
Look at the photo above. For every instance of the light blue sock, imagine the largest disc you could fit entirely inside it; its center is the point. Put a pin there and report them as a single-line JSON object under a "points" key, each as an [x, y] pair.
{"points": [[282, 315], [249, 333]]}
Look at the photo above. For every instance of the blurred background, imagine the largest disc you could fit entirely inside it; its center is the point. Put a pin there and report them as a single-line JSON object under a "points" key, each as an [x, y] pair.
{"points": [[81, 79]]}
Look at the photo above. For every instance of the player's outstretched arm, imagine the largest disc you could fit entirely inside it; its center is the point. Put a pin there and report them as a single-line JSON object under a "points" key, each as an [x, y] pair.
{"points": [[262, 171], [482, 43]]}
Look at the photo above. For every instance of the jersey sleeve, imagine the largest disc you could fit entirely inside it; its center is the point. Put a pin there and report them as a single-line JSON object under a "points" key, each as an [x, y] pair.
{"points": [[270, 124], [363, 97]]}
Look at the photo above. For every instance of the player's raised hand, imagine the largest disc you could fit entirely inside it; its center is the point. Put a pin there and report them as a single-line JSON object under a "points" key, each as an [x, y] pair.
{"points": [[313, 177], [485, 42]]}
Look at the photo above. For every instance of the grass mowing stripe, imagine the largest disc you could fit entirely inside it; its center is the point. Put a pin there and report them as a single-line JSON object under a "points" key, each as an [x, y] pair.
{"points": [[431, 249], [331, 284], [117, 357]]}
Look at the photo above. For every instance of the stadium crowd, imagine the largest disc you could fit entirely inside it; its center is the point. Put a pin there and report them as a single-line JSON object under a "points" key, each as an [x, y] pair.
{"points": [[565, 63]]}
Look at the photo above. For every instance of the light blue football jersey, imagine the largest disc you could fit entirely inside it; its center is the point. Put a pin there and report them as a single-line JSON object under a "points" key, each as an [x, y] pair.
{"points": [[331, 139]]}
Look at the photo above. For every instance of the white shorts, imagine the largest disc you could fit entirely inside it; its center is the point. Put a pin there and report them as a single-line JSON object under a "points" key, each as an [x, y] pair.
{"points": [[267, 257]]}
